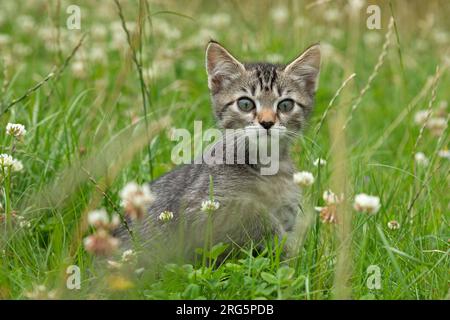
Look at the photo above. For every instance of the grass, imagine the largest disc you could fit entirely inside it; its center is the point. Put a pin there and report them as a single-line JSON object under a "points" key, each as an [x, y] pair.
{"points": [[89, 124]]}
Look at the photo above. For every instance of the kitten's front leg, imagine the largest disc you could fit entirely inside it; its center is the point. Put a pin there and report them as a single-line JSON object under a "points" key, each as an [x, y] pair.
{"points": [[286, 227]]}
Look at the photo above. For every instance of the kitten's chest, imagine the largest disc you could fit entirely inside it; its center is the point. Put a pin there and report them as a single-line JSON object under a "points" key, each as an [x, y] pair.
{"points": [[272, 201], [278, 196], [261, 194]]}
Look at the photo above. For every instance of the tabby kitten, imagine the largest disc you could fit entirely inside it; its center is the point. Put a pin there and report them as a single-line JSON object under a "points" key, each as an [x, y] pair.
{"points": [[245, 96]]}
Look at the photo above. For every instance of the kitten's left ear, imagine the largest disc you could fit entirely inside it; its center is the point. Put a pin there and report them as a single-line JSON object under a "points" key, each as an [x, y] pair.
{"points": [[306, 68]]}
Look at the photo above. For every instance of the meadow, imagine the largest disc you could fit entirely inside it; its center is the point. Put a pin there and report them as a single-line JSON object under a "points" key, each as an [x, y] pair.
{"points": [[99, 103]]}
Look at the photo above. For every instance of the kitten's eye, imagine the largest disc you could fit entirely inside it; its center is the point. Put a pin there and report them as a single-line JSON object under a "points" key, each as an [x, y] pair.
{"points": [[286, 105], [245, 104]]}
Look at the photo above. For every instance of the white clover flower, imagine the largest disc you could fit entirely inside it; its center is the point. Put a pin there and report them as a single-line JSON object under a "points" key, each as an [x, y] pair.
{"points": [[16, 130], [437, 125], [78, 69], [128, 255], [115, 221], [6, 161], [98, 31], [331, 15], [319, 162], [328, 50], [300, 22], [119, 40], [209, 206], [139, 271], [366, 203], [172, 133], [421, 159], [88, 242], [356, 5], [101, 243], [303, 178], [114, 264], [26, 23], [151, 73], [129, 191], [444, 154], [442, 108], [327, 214], [21, 50], [218, 20], [190, 64], [48, 34], [336, 34], [331, 198], [393, 225], [167, 30], [165, 216], [443, 105], [97, 54], [40, 292], [421, 116], [172, 32], [4, 39], [202, 36], [98, 218], [372, 38], [23, 223], [17, 165], [274, 58], [440, 36], [136, 199], [279, 14]]}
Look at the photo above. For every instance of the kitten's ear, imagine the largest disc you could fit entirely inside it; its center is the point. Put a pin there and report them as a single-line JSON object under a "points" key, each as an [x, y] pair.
{"points": [[305, 68], [221, 66]]}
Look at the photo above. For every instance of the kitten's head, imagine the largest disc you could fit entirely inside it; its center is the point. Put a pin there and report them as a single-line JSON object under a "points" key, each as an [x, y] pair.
{"points": [[262, 95]]}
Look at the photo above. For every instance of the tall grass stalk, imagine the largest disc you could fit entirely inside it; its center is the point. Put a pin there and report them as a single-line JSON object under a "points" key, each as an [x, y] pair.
{"points": [[374, 73], [145, 94]]}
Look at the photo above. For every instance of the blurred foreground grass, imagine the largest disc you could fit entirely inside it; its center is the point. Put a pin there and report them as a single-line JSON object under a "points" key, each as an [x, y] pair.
{"points": [[95, 104]]}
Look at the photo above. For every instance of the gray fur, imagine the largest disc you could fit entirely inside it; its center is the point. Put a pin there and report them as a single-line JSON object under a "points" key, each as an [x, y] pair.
{"points": [[251, 205]]}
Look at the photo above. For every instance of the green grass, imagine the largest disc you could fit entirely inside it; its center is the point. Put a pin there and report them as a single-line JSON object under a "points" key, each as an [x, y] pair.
{"points": [[81, 139]]}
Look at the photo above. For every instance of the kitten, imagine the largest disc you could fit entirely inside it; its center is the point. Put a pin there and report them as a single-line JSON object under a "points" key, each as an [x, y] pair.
{"points": [[268, 97]]}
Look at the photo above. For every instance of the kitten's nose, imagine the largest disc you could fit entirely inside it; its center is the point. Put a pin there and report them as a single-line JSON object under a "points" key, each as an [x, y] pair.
{"points": [[267, 124]]}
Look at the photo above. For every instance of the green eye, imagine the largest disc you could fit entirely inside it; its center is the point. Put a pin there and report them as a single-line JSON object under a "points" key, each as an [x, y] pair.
{"points": [[245, 104], [286, 105]]}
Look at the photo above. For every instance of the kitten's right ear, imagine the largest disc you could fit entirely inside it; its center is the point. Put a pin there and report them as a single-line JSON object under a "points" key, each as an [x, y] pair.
{"points": [[221, 67], [305, 68]]}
